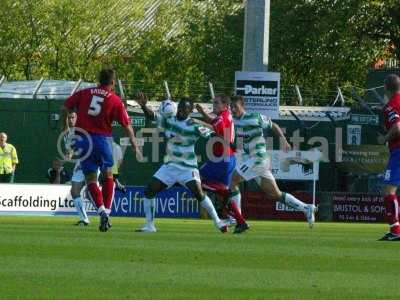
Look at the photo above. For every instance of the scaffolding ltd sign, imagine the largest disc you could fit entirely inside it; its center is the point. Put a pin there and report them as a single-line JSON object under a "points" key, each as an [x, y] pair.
{"points": [[260, 91], [55, 199]]}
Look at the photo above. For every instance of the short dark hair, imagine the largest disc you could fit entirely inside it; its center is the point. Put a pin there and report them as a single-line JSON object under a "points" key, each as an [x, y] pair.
{"points": [[225, 99], [106, 76], [187, 100], [392, 83], [239, 99]]}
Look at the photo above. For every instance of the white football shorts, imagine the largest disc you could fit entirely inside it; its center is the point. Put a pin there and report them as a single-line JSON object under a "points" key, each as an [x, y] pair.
{"points": [[249, 169], [169, 174]]}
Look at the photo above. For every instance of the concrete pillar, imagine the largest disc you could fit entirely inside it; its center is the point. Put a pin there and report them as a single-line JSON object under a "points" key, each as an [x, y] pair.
{"points": [[256, 36]]}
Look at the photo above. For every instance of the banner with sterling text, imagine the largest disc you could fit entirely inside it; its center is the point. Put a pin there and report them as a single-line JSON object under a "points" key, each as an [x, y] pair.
{"points": [[260, 91]]}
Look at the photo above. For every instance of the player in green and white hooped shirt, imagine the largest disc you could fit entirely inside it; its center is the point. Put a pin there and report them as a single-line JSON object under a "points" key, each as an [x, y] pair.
{"points": [[254, 160], [181, 167]]}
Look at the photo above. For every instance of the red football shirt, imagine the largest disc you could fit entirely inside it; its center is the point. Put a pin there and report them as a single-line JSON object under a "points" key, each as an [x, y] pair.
{"points": [[391, 116], [224, 128], [97, 108]]}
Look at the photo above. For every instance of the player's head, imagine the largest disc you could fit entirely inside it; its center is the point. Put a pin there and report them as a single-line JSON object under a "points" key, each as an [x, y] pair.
{"points": [[107, 77], [3, 138], [185, 108], [221, 103], [72, 119], [57, 163], [237, 105], [392, 85]]}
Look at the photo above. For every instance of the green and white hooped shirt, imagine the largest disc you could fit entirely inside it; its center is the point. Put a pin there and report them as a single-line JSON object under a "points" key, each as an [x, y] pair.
{"points": [[249, 132], [181, 140]]}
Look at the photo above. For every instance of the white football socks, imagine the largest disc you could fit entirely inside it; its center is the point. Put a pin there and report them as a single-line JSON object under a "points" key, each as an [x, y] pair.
{"points": [[293, 202], [149, 206], [101, 210], [207, 205], [80, 208]]}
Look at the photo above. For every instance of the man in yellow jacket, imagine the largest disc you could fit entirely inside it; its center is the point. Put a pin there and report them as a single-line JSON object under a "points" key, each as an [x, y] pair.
{"points": [[8, 159]]}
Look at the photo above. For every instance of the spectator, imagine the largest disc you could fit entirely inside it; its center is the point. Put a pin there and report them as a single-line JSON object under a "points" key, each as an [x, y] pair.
{"points": [[57, 174], [8, 159], [117, 157]]}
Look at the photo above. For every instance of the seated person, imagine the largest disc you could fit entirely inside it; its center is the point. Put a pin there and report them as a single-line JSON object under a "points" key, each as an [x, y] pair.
{"points": [[57, 174]]}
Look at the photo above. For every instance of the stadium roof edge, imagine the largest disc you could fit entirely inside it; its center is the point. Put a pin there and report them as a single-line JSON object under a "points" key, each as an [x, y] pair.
{"points": [[41, 89]]}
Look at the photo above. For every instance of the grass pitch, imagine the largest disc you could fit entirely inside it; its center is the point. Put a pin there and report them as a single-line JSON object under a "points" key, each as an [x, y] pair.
{"points": [[48, 258]]}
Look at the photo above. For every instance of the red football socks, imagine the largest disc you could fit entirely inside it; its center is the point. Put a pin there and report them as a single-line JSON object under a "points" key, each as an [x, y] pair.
{"points": [[236, 213], [392, 213], [95, 194], [108, 192]]}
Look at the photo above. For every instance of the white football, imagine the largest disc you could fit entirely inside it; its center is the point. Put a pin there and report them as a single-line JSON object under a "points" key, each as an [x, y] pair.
{"points": [[168, 108]]}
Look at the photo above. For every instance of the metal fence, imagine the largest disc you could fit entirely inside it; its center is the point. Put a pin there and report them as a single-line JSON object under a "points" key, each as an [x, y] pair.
{"points": [[43, 89]]}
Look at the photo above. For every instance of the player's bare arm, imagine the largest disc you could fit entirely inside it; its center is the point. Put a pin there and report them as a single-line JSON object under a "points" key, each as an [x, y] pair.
{"points": [[65, 111], [142, 99], [133, 140], [393, 133], [207, 118], [200, 122], [279, 133]]}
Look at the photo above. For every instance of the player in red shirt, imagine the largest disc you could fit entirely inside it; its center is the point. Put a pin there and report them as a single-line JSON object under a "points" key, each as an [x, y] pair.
{"points": [[96, 109], [216, 173], [391, 116]]}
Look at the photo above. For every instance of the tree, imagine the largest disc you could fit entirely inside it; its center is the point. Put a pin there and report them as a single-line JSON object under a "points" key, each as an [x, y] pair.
{"points": [[188, 44], [214, 31], [380, 20], [21, 37], [61, 39], [317, 44]]}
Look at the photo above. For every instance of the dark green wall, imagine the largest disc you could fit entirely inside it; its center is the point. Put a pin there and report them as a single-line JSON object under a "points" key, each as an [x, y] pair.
{"points": [[29, 129]]}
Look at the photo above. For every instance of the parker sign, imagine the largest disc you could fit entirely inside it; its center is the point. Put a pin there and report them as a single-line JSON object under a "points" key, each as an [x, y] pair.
{"points": [[260, 91]]}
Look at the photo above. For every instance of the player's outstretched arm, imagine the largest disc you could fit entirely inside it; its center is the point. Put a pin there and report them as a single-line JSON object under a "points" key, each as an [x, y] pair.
{"points": [[131, 134], [200, 122], [279, 133], [207, 118], [65, 111], [141, 99], [393, 133]]}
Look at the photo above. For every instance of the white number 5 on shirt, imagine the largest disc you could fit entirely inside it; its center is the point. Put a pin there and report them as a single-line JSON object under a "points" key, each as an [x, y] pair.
{"points": [[95, 106]]}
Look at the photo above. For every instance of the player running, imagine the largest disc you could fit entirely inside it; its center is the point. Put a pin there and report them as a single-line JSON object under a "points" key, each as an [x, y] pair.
{"points": [[216, 173], [78, 179], [96, 109], [391, 180], [253, 160], [180, 167]]}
